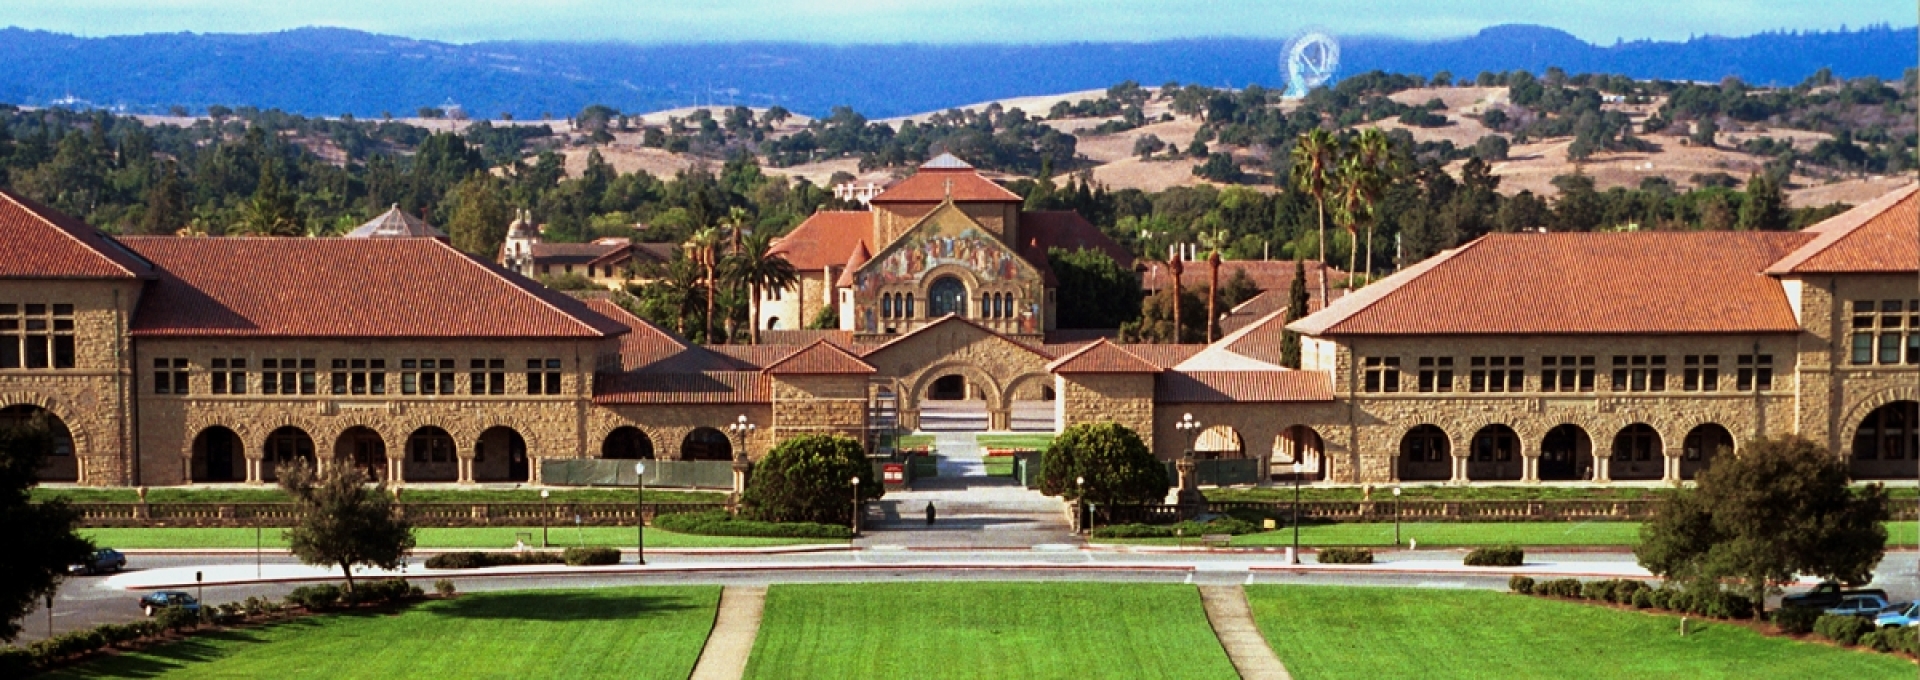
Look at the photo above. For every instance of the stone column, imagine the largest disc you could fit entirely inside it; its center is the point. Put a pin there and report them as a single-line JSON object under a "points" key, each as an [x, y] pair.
{"points": [[1459, 470], [464, 467], [1601, 472], [740, 469], [1670, 471], [533, 470], [397, 469], [253, 471], [1187, 494], [1000, 419], [1530, 469]]}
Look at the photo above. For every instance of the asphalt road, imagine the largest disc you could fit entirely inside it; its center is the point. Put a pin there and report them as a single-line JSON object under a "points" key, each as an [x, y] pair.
{"points": [[88, 601]]}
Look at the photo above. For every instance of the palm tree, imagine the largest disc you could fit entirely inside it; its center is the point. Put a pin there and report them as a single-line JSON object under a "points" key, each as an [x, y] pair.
{"points": [[703, 248], [761, 270], [1313, 158], [1212, 240], [1351, 206], [1376, 154], [1174, 266]]}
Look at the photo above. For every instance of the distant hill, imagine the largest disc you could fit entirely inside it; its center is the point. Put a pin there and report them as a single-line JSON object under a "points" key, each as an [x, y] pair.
{"points": [[324, 71]]}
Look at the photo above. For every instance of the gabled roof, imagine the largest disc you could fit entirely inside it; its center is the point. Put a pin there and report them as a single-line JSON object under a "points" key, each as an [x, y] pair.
{"points": [[854, 260], [1879, 236], [825, 239], [396, 223], [1201, 387], [1164, 356], [820, 358], [944, 321], [1102, 357], [946, 177], [574, 253], [346, 288], [1585, 283], [38, 242], [1066, 230], [644, 343], [699, 387]]}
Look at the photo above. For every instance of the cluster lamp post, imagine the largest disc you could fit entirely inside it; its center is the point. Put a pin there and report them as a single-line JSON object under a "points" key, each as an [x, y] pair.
{"points": [[1296, 506], [1396, 517], [640, 513], [544, 511], [741, 429], [856, 506], [1189, 427]]}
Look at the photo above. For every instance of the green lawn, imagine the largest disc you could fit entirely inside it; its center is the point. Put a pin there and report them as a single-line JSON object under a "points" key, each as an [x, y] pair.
{"points": [[1440, 534], [268, 494], [1344, 632], [913, 441], [647, 632], [1036, 442], [986, 630], [475, 537]]}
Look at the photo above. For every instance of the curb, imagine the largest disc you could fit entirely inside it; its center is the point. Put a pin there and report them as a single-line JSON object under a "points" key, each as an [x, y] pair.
{"points": [[697, 552], [638, 570]]}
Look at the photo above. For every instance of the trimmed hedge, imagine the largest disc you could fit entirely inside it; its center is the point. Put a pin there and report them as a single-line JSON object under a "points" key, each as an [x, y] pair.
{"points": [[719, 523], [1496, 556], [1345, 556], [1188, 529], [1520, 584], [476, 560], [586, 557], [1845, 630], [1796, 620], [1710, 601]]}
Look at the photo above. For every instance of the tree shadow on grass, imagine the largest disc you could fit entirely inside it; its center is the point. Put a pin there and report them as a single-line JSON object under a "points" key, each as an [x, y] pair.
{"points": [[562, 606], [161, 659]]}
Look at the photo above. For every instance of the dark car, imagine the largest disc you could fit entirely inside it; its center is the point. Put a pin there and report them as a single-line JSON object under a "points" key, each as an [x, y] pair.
{"points": [[1827, 595], [152, 603], [104, 559]]}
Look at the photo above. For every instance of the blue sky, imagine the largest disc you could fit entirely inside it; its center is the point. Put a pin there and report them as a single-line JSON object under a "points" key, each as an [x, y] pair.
{"points": [[947, 21]]}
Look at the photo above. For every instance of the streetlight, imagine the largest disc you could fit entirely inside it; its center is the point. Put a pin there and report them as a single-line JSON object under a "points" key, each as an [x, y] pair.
{"points": [[1080, 498], [640, 513], [543, 517], [1396, 517], [1189, 427], [856, 506], [741, 429], [1296, 506]]}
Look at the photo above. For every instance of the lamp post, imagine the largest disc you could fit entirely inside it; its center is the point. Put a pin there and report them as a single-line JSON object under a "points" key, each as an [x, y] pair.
{"points": [[1296, 507], [1080, 499], [1396, 517], [544, 511], [856, 506], [1189, 427], [741, 429], [640, 513]]}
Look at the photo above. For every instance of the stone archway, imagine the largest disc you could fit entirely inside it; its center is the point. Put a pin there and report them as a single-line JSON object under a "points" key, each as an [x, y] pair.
{"points": [[1303, 445], [627, 443], [1219, 441], [1029, 398], [1638, 454], [363, 448], [1566, 454], [706, 443], [62, 464], [1494, 455], [218, 456], [432, 456], [1704, 443], [285, 445], [1426, 454], [1886, 442], [947, 294], [500, 455]]}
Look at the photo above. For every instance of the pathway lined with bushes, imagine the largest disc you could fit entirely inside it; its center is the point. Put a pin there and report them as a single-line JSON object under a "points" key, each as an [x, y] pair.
{"points": [[1232, 622], [735, 626]]}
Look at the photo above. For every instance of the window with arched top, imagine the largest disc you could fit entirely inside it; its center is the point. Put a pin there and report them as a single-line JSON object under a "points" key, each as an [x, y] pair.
{"points": [[946, 296]]}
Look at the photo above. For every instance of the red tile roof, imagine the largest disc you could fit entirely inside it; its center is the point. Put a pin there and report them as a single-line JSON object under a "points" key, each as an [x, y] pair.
{"points": [[1268, 275], [1102, 357], [1589, 283], [644, 343], [825, 239], [38, 242], [945, 320], [347, 288], [705, 387], [820, 358], [1199, 387], [930, 185], [858, 257], [1164, 356], [1879, 236], [1067, 230], [1261, 339]]}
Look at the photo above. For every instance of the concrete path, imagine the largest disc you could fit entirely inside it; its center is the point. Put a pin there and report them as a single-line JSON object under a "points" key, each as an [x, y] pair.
{"points": [[1233, 623], [974, 511], [734, 627]]}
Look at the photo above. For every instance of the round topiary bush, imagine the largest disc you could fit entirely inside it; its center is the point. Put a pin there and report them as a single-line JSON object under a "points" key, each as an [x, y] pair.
{"points": [[809, 479], [1500, 556], [583, 556], [1344, 556], [1116, 464]]}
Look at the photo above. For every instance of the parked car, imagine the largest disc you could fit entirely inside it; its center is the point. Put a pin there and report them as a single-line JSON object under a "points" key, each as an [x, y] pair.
{"points": [[1860, 605], [104, 559], [1827, 595], [1899, 616], [154, 602]]}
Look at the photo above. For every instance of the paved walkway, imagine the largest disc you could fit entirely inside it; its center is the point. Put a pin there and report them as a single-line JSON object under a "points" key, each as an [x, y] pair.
{"points": [[974, 511], [1233, 623], [734, 627]]}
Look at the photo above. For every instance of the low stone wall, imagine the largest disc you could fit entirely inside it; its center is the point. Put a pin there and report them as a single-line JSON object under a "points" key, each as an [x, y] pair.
{"points": [[243, 515], [1440, 511]]}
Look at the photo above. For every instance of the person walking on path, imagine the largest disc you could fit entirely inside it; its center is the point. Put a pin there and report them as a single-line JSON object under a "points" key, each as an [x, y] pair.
{"points": [[930, 513]]}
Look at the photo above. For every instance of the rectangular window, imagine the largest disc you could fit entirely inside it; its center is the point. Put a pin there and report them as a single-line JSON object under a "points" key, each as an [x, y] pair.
{"points": [[1890, 348], [1436, 374], [533, 376], [229, 376], [489, 376], [169, 376], [409, 380], [1701, 373], [553, 376], [359, 376], [308, 382], [10, 335], [1755, 373], [1913, 345], [1382, 374], [1640, 373]]}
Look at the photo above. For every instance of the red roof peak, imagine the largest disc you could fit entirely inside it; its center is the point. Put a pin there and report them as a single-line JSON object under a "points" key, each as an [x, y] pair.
{"points": [[1879, 236], [38, 242], [820, 358], [1102, 357]]}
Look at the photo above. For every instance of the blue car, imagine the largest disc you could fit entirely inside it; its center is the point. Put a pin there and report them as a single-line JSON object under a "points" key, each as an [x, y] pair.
{"points": [[1899, 616], [154, 602], [102, 560]]}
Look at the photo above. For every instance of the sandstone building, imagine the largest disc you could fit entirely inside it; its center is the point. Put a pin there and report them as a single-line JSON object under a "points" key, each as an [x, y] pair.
{"points": [[1517, 358]]}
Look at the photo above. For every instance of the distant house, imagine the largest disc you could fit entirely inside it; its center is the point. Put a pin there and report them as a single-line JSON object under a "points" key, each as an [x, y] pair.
{"points": [[611, 262]]}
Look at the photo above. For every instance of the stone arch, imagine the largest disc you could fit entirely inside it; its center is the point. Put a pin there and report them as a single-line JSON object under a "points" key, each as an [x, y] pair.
{"points": [[1566, 454], [990, 388], [1426, 454], [627, 442], [1302, 444], [1219, 441], [535, 445], [1850, 426], [1494, 454], [706, 443], [79, 445], [1639, 453], [1702, 444], [948, 293], [1886, 442], [431, 454], [1037, 384], [501, 454], [365, 448], [216, 453], [284, 444]]}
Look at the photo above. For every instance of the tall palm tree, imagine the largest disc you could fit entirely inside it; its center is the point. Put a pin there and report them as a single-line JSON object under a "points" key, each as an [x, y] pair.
{"points": [[1376, 153], [1174, 266], [1313, 158], [704, 248], [1212, 240], [761, 270], [1350, 206]]}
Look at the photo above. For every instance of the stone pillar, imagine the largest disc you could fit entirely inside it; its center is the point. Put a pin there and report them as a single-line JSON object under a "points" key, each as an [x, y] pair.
{"points": [[533, 470], [740, 469], [1601, 473], [253, 471], [1186, 493], [464, 466], [1459, 470], [396, 469], [1670, 471], [1530, 469], [1000, 419]]}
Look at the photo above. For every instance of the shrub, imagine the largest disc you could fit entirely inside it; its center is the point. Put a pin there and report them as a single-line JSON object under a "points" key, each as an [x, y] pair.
{"points": [[1661, 598], [1501, 556], [315, 598], [807, 479], [719, 523], [1115, 462], [443, 588], [1643, 598], [476, 560], [1597, 590], [177, 618], [15, 662], [1345, 556], [1564, 587], [1905, 640], [1189, 529], [386, 590], [1520, 584], [585, 556], [1873, 640], [1845, 630]]}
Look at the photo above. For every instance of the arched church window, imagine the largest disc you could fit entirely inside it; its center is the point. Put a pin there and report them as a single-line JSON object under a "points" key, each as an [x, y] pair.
{"points": [[909, 313], [946, 296]]}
